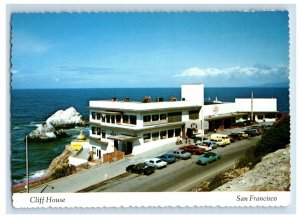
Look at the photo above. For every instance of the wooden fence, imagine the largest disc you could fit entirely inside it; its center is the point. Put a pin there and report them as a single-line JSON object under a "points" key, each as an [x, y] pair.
{"points": [[113, 156]]}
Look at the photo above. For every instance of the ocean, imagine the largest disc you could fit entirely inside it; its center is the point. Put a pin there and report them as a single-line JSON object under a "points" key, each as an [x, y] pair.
{"points": [[33, 106]]}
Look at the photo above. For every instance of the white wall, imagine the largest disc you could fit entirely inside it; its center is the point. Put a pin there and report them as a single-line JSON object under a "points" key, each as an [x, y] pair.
{"points": [[259, 104], [217, 109], [193, 92]]}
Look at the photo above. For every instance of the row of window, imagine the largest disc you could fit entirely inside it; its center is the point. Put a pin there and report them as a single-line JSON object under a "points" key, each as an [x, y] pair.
{"points": [[154, 136], [108, 118], [97, 131]]}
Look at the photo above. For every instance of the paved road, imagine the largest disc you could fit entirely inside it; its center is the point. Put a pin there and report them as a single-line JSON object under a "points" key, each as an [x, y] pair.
{"points": [[180, 176]]}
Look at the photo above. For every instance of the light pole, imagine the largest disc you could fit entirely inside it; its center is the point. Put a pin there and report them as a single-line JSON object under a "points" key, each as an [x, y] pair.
{"points": [[27, 171]]}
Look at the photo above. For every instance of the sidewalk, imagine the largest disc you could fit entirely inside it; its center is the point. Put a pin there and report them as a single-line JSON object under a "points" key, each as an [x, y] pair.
{"points": [[87, 178]]}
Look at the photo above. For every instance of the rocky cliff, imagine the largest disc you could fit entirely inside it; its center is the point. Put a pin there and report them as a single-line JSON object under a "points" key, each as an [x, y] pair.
{"points": [[271, 174]]}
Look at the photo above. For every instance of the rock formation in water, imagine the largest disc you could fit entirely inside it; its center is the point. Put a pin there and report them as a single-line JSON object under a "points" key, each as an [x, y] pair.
{"points": [[53, 128]]}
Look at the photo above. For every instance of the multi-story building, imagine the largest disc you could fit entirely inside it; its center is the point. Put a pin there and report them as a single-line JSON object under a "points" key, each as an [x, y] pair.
{"points": [[134, 127]]}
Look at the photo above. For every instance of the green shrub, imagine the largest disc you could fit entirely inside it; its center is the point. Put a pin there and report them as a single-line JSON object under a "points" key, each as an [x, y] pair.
{"points": [[62, 171], [249, 158], [277, 137]]}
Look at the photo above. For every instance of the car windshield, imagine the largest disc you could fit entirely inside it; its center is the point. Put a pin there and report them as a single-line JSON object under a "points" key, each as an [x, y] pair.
{"points": [[183, 152], [158, 161]]}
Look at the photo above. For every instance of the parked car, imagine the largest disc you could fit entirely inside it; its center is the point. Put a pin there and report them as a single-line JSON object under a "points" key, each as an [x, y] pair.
{"points": [[193, 149], [208, 157], [235, 137], [219, 142], [198, 138], [140, 168], [211, 144], [180, 154], [156, 163], [204, 146], [243, 134], [167, 158], [251, 132]]}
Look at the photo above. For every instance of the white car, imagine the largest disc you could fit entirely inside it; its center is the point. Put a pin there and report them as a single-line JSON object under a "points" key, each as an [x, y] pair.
{"points": [[219, 142], [205, 146], [156, 162]]}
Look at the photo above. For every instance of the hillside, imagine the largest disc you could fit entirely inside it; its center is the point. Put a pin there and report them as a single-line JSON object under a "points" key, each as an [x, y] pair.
{"points": [[271, 174]]}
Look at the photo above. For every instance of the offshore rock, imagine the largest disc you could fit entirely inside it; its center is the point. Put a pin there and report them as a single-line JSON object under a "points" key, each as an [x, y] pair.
{"points": [[65, 119], [52, 129], [46, 133]]}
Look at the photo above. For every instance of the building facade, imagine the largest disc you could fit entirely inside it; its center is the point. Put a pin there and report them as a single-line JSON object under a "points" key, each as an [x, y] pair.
{"points": [[135, 127]]}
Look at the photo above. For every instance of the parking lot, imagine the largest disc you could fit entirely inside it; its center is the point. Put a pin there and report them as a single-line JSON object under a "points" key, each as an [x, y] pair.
{"points": [[182, 175]]}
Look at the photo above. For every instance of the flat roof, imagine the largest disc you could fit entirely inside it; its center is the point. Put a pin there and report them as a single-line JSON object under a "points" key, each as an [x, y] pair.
{"points": [[139, 106]]}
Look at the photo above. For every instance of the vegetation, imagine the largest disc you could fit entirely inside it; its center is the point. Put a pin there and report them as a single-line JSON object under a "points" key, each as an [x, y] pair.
{"points": [[277, 137], [62, 171]]}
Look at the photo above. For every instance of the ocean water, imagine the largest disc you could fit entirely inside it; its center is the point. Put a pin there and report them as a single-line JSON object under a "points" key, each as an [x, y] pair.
{"points": [[32, 107]]}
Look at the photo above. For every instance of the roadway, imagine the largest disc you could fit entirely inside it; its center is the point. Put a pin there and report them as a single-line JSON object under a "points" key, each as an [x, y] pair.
{"points": [[183, 175]]}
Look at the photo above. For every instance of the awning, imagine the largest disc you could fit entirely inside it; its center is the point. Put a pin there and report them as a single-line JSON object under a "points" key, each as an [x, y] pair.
{"points": [[106, 112], [223, 116], [123, 138], [99, 141]]}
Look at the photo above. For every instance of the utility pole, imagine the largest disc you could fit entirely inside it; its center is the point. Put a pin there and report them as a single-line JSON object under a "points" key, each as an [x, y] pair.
{"points": [[252, 107], [27, 171]]}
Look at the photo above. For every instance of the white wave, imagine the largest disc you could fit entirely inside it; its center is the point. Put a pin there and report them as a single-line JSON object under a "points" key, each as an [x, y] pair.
{"points": [[35, 175]]}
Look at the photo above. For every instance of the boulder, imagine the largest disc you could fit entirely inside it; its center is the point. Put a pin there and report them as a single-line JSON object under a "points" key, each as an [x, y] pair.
{"points": [[65, 119], [52, 129], [45, 133]]}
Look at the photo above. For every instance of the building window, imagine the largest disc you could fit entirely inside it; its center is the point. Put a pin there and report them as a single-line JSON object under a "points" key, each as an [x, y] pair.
{"points": [[163, 134], [112, 117], [174, 117], [177, 132], [194, 115], [118, 119], [146, 118], [94, 130], [107, 118], [155, 136], [170, 133], [155, 117], [103, 118], [133, 119], [93, 115], [125, 118], [98, 131], [103, 134], [260, 117], [163, 116], [98, 116], [147, 137]]}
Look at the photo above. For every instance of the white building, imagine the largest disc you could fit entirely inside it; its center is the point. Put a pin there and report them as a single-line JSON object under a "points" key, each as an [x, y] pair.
{"points": [[135, 127], [226, 114]]}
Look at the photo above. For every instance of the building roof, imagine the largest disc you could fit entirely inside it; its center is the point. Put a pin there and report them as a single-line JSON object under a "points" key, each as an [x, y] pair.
{"points": [[139, 106]]}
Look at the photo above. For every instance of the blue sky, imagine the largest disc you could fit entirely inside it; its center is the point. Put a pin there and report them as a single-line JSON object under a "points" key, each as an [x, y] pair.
{"points": [[100, 50]]}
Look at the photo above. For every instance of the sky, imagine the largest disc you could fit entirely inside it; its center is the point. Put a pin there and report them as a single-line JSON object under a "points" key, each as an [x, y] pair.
{"points": [[120, 50]]}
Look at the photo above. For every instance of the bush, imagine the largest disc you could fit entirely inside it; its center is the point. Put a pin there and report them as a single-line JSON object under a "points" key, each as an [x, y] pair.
{"points": [[277, 137], [249, 158], [62, 171]]}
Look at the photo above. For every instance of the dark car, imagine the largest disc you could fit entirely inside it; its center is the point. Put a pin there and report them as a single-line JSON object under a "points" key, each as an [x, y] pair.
{"points": [[193, 149], [167, 158], [198, 139], [235, 137], [140, 168], [251, 132]]}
